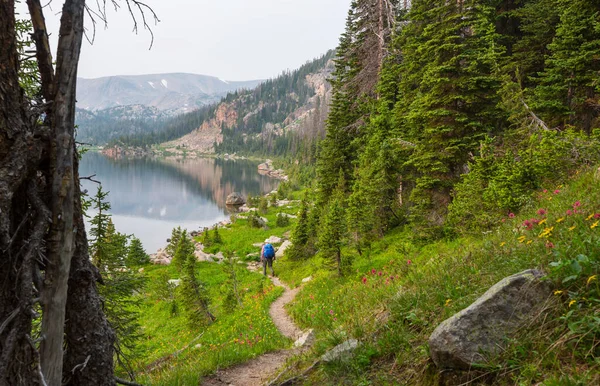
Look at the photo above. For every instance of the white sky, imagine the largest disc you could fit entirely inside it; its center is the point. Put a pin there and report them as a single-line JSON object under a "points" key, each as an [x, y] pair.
{"points": [[230, 39]]}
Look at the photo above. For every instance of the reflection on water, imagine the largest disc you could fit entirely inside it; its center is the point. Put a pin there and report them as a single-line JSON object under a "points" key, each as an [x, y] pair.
{"points": [[151, 196]]}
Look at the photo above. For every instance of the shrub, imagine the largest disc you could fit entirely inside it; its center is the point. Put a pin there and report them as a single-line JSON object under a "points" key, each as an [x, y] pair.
{"points": [[282, 220]]}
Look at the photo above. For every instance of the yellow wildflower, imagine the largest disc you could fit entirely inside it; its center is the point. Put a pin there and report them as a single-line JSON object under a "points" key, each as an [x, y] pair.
{"points": [[560, 219], [448, 302], [558, 292], [589, 217], [573, 227], [572, 302], [503, 243], [529, 242], [550, 198], [546, 232], [591, 279], [522, 238], [542, 221], [594, 225]]}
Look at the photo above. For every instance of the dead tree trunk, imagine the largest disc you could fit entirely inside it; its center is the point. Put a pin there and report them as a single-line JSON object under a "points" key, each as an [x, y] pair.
{"points": [[43, 245]]}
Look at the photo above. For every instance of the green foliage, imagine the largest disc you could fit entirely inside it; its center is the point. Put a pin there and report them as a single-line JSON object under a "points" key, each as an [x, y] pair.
{"points": [[109, 252], [217, 236], [206, 240], [263, 205], [332, 236], [282, 220], [185, 249], [136, 255], [174, 241], [254, 220], [304, 234], [29, 74], [194, 297], [231, 287]]}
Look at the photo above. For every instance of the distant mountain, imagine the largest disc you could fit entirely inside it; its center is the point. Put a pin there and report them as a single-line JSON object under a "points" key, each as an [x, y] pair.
{"points": [[277, 116], [177, 92]]}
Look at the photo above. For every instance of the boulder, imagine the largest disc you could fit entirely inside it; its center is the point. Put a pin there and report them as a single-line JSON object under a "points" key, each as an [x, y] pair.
{"points": [[306, 339], [257, 245], [175, 282], [235, 199], [273, 240], [287, 215], [342, 351], [482, 328], [202, 256], [281, 250], [307, 279]]}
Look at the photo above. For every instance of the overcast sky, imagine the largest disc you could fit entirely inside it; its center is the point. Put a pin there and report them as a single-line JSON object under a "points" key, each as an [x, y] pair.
{"points": [[230, 39]]}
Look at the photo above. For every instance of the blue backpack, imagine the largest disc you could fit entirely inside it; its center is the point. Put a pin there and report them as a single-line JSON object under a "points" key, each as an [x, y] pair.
{"points": [[269, 251]]}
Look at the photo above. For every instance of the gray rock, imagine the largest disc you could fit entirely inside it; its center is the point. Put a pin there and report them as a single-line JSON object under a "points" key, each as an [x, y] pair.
{"points": [[307, 279], [342, 351], [235, 199], [273, 240], [482, 328], [306, 339], [175, 282], [281, 250]]}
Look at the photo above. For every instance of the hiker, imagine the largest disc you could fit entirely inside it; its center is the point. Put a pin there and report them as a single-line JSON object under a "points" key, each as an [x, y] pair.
{"points": [[267, 255]]}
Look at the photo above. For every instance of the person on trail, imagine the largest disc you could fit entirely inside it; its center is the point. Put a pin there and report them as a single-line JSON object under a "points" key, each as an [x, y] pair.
{"points": [[267, 255]]}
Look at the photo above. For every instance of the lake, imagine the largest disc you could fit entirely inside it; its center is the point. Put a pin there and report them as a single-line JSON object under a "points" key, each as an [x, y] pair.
{"points": [[150, 196]]}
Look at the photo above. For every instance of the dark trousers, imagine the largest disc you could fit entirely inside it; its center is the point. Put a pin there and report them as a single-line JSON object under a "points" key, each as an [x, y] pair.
{"points": [[268, 262]]}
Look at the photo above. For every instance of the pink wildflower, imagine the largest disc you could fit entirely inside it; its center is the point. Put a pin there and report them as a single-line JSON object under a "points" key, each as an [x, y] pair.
{"points": [[569, 212], [541, 211], [577, 204], [550, 245], [364, 280], [556, 191], [380, 273], [527, 224], [545, 190], [373, 271], [408, 262], [597, 216], [511, 215], [330, 312]]}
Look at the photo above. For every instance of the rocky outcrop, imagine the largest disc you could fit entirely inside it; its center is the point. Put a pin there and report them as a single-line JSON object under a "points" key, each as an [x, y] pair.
{"points": [[482, 328], [266, 168], [273, 240], [235, 199], [161, 257], [341, 352], [281, 250]]}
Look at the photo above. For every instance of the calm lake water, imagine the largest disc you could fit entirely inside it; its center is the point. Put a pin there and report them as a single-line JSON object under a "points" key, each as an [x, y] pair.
{"points": [[149, 197]]}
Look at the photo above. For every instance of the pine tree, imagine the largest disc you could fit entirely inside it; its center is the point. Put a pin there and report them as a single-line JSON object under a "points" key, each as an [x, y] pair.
{"points": [[194, 296], [174, 241], [332, 236], [109, 250], [217, 236], [136, 255], [568, 90], [185, 248], [300, 234]]}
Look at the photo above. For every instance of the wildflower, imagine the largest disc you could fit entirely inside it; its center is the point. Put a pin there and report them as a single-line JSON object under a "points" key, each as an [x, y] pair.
{"points": [[558, 292], [549, 244], [541, 211], [594, 225], [373, 271], [448, 301], [511, 215], [589, 217], [522, 238], [572, 302], [527, 224], [546, 232], [558, 220], [529, 242], [364, 280], [573, 227], [597, 215], [591, 279], [408, 262], [545, 190], [503, 220], [379, 273], [556, 191], [569, 212], [576, 205], [541, 222], [330, 312], [503, 243]]}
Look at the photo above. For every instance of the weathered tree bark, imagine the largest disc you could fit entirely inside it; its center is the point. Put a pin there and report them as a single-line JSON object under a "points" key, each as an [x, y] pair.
{"points": [[42, 232]]}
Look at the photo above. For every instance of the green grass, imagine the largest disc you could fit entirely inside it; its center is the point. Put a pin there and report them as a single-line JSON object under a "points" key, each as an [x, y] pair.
{"points": [[235, 336], [395, 296]]}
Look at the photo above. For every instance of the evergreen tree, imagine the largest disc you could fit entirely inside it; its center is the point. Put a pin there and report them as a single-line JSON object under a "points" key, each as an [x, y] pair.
{"points": [[300, 234], [568, 90], [217, 236], [109, 250], [194, 296], [174, 241], [207, 241], [185, 248], [233, 298], [136, 255], [332, 236]]}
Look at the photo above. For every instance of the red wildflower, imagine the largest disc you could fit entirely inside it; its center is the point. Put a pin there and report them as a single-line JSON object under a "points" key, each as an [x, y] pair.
{"points": [[527, 224], [549, 244], [511, 215], [556, 191], [364, 280], [373, 271], [330, 312], [597, 215], [534, 221], [545, 190], [576, 205], [380, 273], [569, 212], [408, 262], [541, 211]]}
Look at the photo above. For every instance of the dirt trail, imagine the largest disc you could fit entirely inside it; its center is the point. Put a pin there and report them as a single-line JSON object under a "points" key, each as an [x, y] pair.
{"points": [[257, 371]]}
